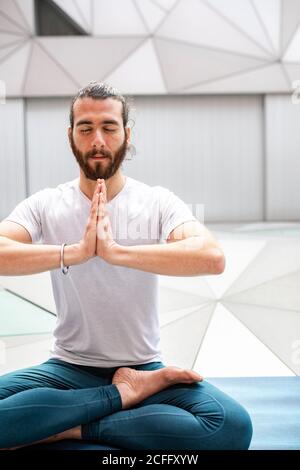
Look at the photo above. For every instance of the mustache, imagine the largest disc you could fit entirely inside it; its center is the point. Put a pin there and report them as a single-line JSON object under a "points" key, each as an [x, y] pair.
{"points": [[93, 152]]}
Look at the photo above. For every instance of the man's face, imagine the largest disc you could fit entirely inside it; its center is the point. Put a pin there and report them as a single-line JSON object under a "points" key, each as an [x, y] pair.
{"points": [[98, 139]]}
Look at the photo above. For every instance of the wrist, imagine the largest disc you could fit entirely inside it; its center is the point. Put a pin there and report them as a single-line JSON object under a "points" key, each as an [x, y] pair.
{"points": [[115, 254], [73, 254]]}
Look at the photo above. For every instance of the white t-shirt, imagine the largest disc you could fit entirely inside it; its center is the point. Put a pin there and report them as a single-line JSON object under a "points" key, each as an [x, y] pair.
{"points": [[107, 315]]}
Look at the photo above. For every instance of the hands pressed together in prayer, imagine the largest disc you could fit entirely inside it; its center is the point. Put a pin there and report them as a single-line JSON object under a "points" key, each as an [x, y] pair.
{"points": [[98, 238]]}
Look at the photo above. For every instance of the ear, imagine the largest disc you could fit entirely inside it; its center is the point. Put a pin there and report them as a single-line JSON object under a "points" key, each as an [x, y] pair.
{"points": [[128, 134], [69, 133]]}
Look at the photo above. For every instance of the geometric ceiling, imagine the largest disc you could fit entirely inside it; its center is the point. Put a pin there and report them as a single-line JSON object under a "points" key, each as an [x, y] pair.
{"points": [[154, 47]]}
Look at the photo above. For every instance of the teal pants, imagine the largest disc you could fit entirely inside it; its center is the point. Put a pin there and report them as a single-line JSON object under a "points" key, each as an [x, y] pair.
{"points": [[52, 397]]}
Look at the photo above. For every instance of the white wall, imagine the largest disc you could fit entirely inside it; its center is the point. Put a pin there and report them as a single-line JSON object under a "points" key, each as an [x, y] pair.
{"points": [[12, 155], [283, 158], [50, 160], [207, 149]]}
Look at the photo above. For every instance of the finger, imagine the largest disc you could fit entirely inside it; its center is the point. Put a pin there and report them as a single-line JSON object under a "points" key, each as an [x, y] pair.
{"points": [[97, 189], [94, 210], [104, 191], [95, 201], [101, 207], [98, 182]]}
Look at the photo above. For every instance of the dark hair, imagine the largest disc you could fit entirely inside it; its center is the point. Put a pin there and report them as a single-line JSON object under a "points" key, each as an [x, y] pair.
{"points": [[101, 91]]}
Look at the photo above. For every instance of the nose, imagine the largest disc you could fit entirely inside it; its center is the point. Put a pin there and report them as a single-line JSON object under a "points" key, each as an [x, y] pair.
{"points": [[98, 140]]}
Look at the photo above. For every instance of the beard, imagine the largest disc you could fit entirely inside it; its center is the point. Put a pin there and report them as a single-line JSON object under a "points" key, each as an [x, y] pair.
{"points": [[103, 169]]}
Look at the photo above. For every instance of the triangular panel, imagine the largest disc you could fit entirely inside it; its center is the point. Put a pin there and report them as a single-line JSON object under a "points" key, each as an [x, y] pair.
{"points": [[229, 349], [290, 21], [128, 75], [195, 285], [45, 77], [95, 65], [245, 19], [152, 14], [85, 7], [8, 50], [117, 18], [165, 318], [165, 4], [194, 22], [281, 293], [12, 69], [277, 259], [172, 299], [6, 39], [11, 10], [197, 64], [239, 254], [293, 51], [27, 9], [269, 12], [276, 328], [9, 26], [181, 340], [266, 79]]}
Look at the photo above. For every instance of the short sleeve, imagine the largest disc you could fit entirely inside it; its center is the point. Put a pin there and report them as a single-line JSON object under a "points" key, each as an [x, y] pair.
{"points": [[173, 212], [27, 214]]}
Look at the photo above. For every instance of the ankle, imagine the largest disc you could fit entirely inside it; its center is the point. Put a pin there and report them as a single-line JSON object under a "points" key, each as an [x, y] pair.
{"points": [[75, 433], [124, 394]]}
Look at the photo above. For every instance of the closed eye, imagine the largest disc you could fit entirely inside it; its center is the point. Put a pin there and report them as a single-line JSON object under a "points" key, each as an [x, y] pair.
{"points": [[109, 129]]}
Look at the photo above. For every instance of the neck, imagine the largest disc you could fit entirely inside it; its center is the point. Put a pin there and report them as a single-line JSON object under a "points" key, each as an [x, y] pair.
{"points": [[113, 185]]}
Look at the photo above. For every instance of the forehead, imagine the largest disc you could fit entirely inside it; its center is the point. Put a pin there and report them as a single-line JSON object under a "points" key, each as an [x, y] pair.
{"points": [[97, 109]]}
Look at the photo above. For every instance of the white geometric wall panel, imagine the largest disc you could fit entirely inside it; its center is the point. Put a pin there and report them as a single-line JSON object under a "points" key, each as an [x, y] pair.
{"points": [[154, 47]]}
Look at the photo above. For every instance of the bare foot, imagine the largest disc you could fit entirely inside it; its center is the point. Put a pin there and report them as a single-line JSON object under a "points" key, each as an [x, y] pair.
{"points": [[135, 385]]}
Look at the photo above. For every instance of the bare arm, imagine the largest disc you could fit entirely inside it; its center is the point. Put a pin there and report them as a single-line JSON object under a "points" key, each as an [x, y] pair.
{"points": [[191, 251], [18, 256]]}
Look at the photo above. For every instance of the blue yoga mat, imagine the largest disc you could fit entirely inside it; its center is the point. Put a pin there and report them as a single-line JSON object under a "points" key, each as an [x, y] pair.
{"points": [[274, 406]]}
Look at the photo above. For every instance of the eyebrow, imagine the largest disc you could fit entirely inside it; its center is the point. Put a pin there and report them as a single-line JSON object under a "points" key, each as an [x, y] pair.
{"points": [[86, 122]]}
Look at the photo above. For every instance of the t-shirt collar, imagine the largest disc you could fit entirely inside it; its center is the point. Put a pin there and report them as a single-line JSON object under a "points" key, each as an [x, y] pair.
{"points": [[112, 201]]}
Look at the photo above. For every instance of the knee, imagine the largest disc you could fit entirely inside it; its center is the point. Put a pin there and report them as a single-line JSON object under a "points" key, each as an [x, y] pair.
{"points": [[238, 428]]}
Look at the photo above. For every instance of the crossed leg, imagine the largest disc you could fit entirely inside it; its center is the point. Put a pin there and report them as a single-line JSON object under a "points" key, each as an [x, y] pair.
{"points": [[54, 397]]}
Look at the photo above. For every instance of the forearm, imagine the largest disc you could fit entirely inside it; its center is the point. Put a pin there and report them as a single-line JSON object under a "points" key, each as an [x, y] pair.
{"points": [[18, 259], [182, 258]]}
